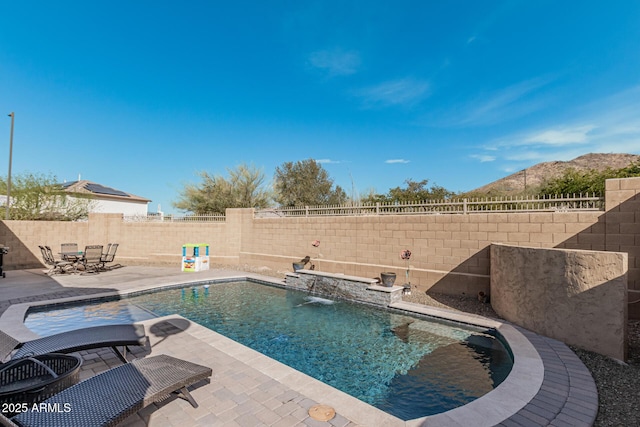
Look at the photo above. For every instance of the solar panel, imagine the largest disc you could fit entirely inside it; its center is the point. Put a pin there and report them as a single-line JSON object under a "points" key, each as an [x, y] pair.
{"points": [[101, 189], [68, 184]]}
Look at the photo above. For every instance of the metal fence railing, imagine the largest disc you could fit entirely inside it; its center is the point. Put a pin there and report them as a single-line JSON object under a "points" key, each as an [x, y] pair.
{"points": [[555, 203], [161, 218]]}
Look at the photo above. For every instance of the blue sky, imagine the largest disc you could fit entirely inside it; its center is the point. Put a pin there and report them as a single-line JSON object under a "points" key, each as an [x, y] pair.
{"points": [[141, 95]]}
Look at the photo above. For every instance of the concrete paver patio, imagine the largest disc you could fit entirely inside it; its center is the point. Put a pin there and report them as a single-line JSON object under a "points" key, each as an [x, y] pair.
{"points": [[250, 389]]}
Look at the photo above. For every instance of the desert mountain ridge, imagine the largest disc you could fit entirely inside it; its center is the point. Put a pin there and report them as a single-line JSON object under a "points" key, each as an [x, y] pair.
{"points": [[535, 175]]}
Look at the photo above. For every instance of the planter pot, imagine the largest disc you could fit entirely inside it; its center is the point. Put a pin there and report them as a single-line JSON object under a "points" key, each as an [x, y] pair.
{"points": [[388, 279], [298, 266], [483, 298]]}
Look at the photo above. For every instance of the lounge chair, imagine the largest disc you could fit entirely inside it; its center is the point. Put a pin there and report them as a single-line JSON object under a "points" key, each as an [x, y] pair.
{"points": [[56, 266], [76, 340], [111, 396]]}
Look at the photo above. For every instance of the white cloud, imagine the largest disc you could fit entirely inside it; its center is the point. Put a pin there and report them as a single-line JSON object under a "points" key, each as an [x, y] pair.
{"points": [[335, 62], [606, 125], [407, 91], [503, 104], [631, 145], [392, 161], [534, 156], [524, 156], [483, 157], [328, 161], [560, 137]]}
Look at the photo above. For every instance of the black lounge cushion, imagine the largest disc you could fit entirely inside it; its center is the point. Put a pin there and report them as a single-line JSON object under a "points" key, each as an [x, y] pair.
{"points": [[111, 396]]}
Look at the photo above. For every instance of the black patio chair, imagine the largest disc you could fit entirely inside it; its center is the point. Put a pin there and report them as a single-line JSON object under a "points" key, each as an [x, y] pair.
{"points": [[113, 336], [112, 396]]}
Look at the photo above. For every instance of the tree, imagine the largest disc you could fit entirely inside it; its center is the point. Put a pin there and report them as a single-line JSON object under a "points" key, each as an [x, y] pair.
{"points": [[41, 197], [305, 183], [415, 191], [247, 187], [573, 181], [243, 189]]}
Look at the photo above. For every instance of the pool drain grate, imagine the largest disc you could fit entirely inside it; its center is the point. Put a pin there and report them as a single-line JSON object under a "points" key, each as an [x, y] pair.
{"points": [[322, 412]]}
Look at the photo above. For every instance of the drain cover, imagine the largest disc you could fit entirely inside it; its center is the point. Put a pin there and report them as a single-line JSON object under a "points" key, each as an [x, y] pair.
{"points": [[322, 412]]}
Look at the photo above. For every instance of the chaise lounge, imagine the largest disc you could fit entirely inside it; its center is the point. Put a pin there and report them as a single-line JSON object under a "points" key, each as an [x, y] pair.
{"points": [[110, 397], [77, 340]]}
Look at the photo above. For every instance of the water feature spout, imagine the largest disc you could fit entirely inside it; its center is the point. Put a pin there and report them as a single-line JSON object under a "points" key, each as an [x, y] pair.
{"points": [[312, 286], [301, 264]]}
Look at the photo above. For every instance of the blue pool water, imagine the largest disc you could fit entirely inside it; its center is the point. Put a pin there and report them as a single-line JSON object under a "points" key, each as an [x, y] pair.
{"points": [[407, 366]]}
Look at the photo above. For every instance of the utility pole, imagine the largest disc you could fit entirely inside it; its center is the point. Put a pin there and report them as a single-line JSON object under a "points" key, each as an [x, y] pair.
{"points": [[13, 117]]}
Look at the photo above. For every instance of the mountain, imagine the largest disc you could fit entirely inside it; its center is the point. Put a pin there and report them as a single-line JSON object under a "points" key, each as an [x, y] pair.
{"points": [[537, 174]]}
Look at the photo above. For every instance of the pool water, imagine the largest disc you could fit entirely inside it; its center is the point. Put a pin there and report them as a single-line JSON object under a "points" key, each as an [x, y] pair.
{"points": [[407, 366]]}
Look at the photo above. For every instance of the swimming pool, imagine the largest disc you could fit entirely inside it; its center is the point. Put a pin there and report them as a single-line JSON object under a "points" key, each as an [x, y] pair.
{"points": [[404, 365]]}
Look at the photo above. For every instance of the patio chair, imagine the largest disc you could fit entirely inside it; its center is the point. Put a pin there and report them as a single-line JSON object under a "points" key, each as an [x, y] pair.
{"points": [[108, 256], [112, 396], [56, 266], [91, 258], [69, 251], [76, 340]]}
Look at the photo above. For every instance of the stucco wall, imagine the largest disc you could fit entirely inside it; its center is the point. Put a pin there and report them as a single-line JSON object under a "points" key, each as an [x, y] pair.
{"points": [[117, 206], [99, 205], [578, 297]]}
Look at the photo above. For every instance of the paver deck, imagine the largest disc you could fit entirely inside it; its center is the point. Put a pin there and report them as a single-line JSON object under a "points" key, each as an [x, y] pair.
{"points": [[551, 386]]}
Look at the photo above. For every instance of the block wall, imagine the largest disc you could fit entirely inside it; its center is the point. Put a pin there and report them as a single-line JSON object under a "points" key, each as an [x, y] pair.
{"points": [[139, 243], [24, 237], [622, 222], [450, 251]]}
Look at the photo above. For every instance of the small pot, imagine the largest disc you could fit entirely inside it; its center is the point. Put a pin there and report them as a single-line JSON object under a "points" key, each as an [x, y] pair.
{"points": [[298, 266], [388, 279]]}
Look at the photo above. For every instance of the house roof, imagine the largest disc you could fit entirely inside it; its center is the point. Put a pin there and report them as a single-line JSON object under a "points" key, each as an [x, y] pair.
{"points": [[100, 191]]}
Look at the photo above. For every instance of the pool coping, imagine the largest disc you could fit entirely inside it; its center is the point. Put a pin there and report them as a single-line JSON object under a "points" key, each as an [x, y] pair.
{"points": [[548, 383]]}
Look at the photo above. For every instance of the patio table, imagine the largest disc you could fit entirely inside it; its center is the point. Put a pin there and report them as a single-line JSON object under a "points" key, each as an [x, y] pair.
{"points": [[71, 256]]}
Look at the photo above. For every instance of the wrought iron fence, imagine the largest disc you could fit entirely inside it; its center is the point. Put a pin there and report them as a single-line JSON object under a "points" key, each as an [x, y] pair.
{"points": [[161, 218], [553, 203]]}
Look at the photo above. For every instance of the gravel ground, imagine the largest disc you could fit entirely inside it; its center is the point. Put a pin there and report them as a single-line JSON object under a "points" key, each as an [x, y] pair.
{"points": [[618, 383]]}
